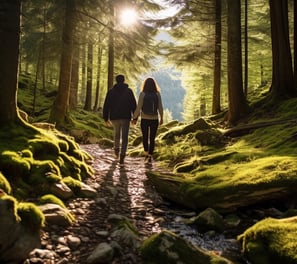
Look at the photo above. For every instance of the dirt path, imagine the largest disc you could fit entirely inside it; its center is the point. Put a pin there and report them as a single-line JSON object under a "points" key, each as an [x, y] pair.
{"points": [[121, 190]]}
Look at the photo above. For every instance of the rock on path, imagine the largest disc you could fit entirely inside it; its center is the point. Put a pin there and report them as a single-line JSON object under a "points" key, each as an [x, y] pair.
{"points": [[122, 191]]}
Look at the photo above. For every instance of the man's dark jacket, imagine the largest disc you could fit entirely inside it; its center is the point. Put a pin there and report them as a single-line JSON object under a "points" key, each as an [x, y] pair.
{"points": [[119, 103]]}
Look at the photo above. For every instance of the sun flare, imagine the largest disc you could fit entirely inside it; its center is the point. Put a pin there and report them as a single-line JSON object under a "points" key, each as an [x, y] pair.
{"points": [[128, 17]]}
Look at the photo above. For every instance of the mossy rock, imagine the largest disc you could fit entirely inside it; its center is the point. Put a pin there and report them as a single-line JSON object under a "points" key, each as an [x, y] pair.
{"points": [[209, 137], [50, 198], [208, 220], [73, 184], [167, 247], [13, 165], [31, 216], [199, 124], [43, 148], [271, 241]]}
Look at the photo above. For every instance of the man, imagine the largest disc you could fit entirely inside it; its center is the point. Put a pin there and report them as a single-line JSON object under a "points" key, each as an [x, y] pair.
{"points": [[118, 109]]}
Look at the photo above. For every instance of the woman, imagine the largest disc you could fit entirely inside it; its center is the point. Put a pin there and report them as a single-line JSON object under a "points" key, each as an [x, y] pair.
{"points": [[150, 109]]}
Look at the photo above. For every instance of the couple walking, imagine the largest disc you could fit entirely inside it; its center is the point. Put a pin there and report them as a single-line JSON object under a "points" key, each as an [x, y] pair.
{"points": [[120, 109]]}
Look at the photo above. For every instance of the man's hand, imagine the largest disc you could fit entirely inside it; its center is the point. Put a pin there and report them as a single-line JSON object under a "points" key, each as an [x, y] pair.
{"points": [[108, 123]]}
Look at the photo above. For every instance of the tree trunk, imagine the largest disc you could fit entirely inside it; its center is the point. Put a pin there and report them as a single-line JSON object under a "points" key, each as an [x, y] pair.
{"points": [[295, 44], [60, 107], [216, 100], [9, 54], [83, 71], [99, 64], [237, 102], [74, 79], [246, 48], [88, 101], [282, 73], [110, 73]]}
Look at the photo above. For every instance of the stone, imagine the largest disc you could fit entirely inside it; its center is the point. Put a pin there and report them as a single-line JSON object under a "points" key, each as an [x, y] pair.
{"points": [[103, 253], [61, 190], [56, 215], [87, 191], [16, 240], [208, 220], [167, 247], [73, 242]]}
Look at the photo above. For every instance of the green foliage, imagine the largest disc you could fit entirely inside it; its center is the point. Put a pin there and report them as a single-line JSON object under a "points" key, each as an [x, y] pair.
{"points": [[31, 216], [50, 198]]}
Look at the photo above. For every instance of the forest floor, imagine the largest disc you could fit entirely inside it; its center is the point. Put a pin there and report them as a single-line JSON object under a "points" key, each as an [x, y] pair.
{"points": [[122, 190]]}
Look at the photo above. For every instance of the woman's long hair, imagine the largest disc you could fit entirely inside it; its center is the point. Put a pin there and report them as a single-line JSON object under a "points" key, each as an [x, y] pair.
{"points": [[150, 85]]}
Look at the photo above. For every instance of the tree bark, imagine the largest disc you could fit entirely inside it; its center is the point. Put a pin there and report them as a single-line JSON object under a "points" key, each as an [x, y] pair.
{"points": [[110, 73], [74, 78], [295, 44], [246, 47], [282, 73], [88, 101], [99, 64], [237, 102], [9, 54], [216, 100], [60, 107]]}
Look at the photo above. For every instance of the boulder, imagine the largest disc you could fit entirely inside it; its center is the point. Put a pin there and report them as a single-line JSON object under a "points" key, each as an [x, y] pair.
{"points": [[16, 239], [208, 220], [167, 247], [271, 241], [103, 253], [56, 215], [61, 190]]}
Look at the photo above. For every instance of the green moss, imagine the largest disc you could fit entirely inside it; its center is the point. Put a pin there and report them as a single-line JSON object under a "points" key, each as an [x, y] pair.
{"points": [[187, 166], [166, 247], [43, 148], [31, 216], [73, 184], [50, 198], [227, 185], [4, 184], [11, 204], [271, 241], [45, 171], [26, 153], [12, 164], [76, 168]]}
